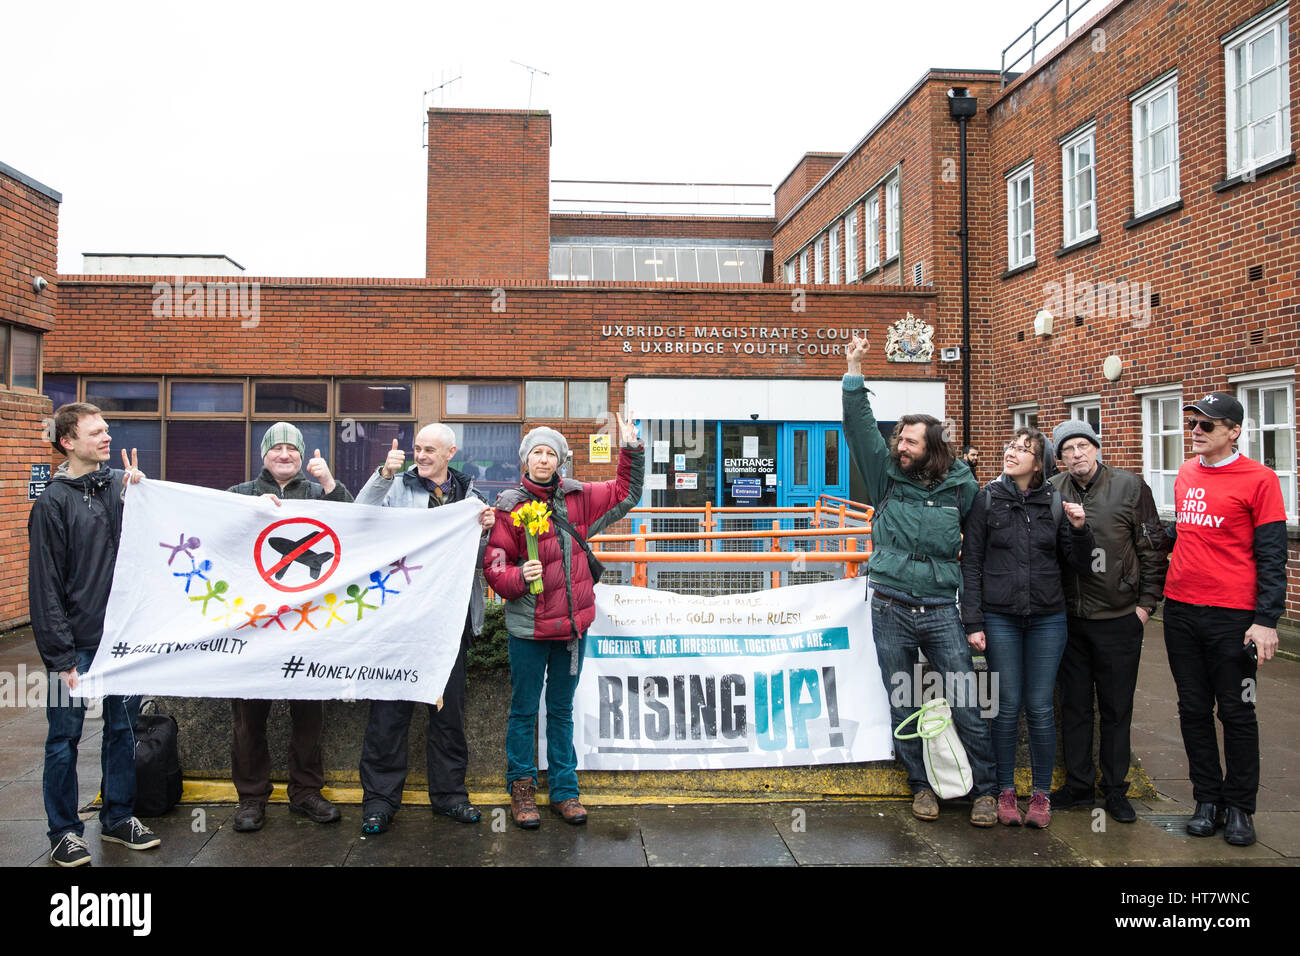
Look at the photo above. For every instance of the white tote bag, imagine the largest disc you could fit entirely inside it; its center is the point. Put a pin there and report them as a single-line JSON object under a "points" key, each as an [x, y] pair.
{"points": [[946, 764]]}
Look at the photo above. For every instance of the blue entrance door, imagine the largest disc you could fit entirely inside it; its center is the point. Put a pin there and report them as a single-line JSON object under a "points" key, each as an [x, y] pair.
{"points": [[814, 462]]}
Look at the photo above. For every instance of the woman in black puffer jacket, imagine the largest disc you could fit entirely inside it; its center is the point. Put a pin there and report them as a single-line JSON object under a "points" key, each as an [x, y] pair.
{"points": [[1018, 535]]}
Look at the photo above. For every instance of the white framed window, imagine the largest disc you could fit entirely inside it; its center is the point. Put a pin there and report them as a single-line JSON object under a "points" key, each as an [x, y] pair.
{"points": [[871, 236], [819, 261], [892, 225], [851, 245], [803, 266], [1155, 146], [835, 254], [1162, 444], [1020, 216], [1079, 185], [1087, 409], [1256, 64], [1268, 433], [791, 269], [1024, 416]]}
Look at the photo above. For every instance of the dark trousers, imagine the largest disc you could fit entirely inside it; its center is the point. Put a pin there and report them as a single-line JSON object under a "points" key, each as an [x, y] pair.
{"points": [[383, 754], [1100, 654], [1209, 664], [250, 759]]}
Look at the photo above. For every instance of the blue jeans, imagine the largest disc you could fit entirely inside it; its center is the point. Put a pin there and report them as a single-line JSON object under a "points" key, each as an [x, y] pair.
{"points": [[533, 663], [899, 634], [65, 715], [1025, 652]]}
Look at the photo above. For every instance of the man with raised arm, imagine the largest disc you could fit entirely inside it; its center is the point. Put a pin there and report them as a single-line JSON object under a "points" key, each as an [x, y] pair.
{"points": [[74, 527], [430, 484], [921, 493]]}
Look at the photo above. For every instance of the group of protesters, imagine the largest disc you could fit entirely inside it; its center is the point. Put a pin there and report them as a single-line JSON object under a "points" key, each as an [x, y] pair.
{"points": [[1052, 575], [75, 529]]}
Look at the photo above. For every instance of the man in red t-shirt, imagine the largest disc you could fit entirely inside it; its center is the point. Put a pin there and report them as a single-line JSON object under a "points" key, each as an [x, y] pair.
{"points": [[1225, 590]]}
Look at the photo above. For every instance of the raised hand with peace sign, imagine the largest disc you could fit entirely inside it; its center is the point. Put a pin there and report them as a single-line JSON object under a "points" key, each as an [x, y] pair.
{"points": [[627, 430], [131, 466]]}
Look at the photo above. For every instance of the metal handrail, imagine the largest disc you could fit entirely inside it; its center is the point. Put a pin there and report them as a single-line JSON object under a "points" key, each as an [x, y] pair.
{"points": [[1034, 42]]}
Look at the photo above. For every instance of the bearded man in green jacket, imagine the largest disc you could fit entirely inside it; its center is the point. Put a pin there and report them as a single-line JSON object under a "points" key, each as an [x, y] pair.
{"points": [[921, 493]]}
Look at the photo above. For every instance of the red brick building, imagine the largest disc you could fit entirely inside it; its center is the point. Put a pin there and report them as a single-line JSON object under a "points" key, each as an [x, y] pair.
{"points": [[1132, 205], [29, 225]]}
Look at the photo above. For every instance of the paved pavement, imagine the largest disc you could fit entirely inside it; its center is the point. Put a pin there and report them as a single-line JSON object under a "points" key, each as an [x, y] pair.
{"points": [[767, 834]]}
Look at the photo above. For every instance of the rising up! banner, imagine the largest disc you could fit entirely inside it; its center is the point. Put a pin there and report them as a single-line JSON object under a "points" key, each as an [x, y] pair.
{"points": [[785, 677]]}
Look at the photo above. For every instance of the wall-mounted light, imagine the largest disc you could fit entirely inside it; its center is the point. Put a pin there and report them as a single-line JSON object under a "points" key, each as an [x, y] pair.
{"points": [[1112, 368]]}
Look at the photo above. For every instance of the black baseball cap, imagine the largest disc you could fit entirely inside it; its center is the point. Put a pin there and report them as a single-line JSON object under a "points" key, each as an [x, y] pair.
{"points": [[1219, 405]]}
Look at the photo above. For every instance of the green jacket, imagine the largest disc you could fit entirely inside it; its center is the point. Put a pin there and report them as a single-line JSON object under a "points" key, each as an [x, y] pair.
{"points": [[916, 531]]}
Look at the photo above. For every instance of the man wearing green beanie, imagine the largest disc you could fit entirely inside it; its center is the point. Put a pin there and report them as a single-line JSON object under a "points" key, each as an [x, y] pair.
{"points": [[283, 450]]}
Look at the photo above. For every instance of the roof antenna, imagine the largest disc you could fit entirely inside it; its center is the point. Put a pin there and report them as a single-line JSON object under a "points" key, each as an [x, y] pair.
{"points": [[532, 73], [424, 99]]}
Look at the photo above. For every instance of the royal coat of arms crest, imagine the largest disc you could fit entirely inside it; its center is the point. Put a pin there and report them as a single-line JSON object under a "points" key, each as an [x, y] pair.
{"points": [[910, 340]]}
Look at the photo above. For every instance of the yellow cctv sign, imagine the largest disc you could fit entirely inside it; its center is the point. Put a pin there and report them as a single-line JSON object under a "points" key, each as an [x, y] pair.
{"points": [[598, 449]]}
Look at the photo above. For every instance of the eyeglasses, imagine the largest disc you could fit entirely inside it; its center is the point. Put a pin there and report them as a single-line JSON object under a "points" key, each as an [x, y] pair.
{"points": [[1078, 448], [1019, 449], [1204, 425]]}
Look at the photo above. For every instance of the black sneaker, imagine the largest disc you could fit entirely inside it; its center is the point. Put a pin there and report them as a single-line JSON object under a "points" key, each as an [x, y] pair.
{"points": [[132, 834], [71, 850], [1065, 798], [374, 824], [464, 812], [1120, 810]]}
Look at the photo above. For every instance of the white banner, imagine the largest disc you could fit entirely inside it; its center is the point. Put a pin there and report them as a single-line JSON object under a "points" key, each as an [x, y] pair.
{"points": [[786, 677], [223, 595]]}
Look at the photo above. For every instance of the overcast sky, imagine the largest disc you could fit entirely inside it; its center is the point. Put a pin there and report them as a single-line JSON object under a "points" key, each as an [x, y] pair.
{"points": [[288, 135]]}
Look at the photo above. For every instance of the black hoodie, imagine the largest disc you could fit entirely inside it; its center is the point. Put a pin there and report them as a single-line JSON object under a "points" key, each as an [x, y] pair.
{"points": [[74, 528]]}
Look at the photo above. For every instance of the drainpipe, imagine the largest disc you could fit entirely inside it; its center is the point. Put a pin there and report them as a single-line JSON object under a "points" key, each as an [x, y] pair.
{"points": [[961, 107]]}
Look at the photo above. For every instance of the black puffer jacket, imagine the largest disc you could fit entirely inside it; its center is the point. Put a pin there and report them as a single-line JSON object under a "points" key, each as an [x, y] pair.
{"points": [[1013, 553], [74, 528]]}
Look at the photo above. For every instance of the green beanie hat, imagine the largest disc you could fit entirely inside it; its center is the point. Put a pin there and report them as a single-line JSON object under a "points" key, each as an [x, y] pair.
{"points": [[282, 433]]}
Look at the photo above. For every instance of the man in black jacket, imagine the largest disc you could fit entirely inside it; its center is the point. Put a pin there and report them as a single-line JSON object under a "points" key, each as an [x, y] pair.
{"points": [[1107, 609], [283, 450], [74, 528]]}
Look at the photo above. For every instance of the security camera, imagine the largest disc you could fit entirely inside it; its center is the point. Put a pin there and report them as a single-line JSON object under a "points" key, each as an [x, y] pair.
{"points": [[39, 284], [753, 416]]}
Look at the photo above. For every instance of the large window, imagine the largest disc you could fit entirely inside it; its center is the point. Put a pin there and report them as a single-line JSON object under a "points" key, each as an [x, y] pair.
{"points": [[1155, 146], [1258, 92], [1020, 216], [1079, 185], [1024, 416], [1162, 444], [1087, 409], [551, 399], [819, 261], [893, 224], [657, 263], [871, 236], [835, 254], [20, 357], [1268, 434], [851, 245]]}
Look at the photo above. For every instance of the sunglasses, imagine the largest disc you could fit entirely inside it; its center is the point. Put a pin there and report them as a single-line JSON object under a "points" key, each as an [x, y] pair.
{"points": [[1205, 426]]}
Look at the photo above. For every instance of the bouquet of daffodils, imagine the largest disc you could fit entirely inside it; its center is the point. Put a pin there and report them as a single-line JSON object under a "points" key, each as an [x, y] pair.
{"points": [[532, 517]]}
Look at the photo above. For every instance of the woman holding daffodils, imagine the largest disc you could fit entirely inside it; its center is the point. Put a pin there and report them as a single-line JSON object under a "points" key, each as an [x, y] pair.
{"points": [[536, 561]]}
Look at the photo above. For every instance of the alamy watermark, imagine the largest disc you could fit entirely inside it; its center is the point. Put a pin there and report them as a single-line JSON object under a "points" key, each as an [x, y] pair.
{"points": [[177, 299], [1102, 299]]}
